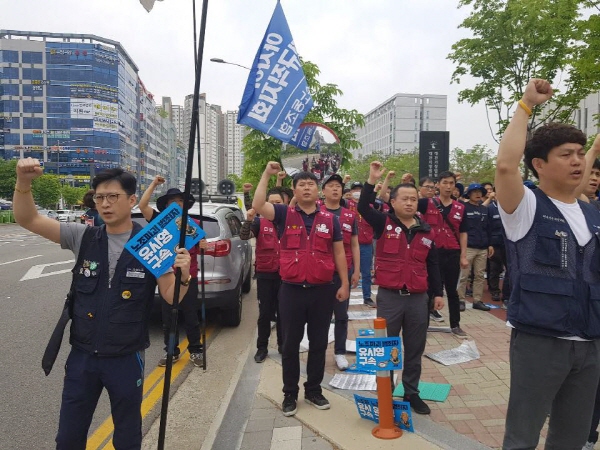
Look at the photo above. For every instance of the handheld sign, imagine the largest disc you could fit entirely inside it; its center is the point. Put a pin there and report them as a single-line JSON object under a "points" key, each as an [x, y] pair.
{"points": [[154, 246], [368, 408], [382, 353]]}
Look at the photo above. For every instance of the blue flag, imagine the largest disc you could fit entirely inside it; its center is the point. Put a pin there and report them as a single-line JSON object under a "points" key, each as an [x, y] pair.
{"points": [[276, 98]]}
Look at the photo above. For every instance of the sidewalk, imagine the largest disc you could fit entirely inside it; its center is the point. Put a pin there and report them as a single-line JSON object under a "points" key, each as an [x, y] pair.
{"points": [[472, 417]]}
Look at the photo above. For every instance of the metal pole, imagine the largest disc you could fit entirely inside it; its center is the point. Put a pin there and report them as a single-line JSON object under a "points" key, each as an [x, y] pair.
{"points": [[184, 220]]}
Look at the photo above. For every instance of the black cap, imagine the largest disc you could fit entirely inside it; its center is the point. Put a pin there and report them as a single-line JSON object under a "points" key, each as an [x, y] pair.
{"points": [[161, 202], [333, 177], [356, 184]]}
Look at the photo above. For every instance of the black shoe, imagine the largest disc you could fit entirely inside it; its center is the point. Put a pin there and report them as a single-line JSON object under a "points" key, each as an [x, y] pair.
{"points": [[289, 405], [496, 296], [317, 400], [418, 405], [469, 292], [436, 316], [162, 362], [462, 306], [481, 306], [370, 303], [261, 355]]}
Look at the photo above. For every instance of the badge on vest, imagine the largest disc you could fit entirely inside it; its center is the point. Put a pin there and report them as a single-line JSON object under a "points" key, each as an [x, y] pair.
{"points": [[126, 295], [322, 228], [92, 265], [347, 227], [389, 228], [135, 273], [398, 230], [426, 242]]}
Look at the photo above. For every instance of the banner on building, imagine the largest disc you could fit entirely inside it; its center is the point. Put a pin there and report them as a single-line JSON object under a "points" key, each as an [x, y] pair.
{"points": [[276, 98], [434, 153]]}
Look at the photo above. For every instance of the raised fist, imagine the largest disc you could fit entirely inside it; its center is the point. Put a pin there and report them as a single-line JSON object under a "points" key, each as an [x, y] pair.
{"points": [[376, 169], [247, 187], [537, 92], [158, 180], [281, 175], [272, 168], [250, 214], [29, 169]]}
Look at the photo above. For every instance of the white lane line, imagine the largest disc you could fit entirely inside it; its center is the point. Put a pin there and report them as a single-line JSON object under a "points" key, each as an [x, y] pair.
{"points": [[36, 271], [17, 260]]}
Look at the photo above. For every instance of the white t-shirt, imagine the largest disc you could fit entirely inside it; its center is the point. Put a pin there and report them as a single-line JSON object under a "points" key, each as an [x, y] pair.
{"points": [[518, 224]]}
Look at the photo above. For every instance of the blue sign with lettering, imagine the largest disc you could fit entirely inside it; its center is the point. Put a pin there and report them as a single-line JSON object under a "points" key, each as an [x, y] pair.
{"points": [[368, 408], [276, 98], [154, 246], [383, 353]]}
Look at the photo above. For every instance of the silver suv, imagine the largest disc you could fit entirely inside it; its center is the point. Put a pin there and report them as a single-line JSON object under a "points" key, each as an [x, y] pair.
{"points": [[227, 260]]}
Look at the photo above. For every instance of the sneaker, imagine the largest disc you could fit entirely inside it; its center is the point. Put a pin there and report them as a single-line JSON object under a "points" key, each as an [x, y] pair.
{"points": [[462, 305], [481, 306], [162, 362], [457, 331], [289, 405], [317, 400], [436, 316], [418, 405], [370, 303], [496, 296], [505, 304], [588, 446], [196, 359], [261, 355], [469, 292], [341, 362]]}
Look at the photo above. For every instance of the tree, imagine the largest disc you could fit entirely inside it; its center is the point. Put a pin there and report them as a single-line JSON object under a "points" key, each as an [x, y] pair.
{"points": [[237, 180], [8, 178], [476, 165], [260, 148], [73, 195], [46, 190], [401, 164], [515, 40]]}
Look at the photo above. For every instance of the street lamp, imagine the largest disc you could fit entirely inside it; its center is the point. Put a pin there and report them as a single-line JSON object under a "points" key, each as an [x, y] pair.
{"points": [[221, 61]]}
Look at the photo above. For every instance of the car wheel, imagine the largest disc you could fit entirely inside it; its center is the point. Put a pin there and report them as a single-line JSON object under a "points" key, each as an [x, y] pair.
{"points": [[247, 285], [231, 317]]}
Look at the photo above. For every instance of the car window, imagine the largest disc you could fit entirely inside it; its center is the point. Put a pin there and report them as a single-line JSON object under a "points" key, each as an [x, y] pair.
{"points": [[234, 224], [209, 225]]}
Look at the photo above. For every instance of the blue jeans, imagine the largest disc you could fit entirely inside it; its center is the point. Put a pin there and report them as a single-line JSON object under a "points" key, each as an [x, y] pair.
{"points": [[366, 262]]}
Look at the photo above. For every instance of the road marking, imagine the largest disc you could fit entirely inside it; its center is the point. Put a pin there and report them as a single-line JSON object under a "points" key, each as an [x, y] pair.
{"points": [[153, 389], [22, 259], [36, 271]]}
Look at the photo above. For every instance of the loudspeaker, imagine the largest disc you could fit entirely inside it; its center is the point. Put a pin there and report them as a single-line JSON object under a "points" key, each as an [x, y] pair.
{"points": [[197, 187], [226, 187]]}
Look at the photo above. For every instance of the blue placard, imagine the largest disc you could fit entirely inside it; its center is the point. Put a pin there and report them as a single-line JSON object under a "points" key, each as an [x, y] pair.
{"points": [[276, 98], [154, 246], [368, 409], [366, 332], [303, 136], [383, 353]]}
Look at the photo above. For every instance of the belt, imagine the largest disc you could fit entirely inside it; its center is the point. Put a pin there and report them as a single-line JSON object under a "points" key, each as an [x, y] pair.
{"points": [[399, 291]]}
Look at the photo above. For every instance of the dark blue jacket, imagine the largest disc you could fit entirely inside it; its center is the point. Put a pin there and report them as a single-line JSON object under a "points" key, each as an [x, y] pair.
{"points": [[556, 282], [478, 226], [111, 318], [496, 231]]}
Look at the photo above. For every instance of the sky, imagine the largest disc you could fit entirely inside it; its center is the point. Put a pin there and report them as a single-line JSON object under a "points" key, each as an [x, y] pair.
{"points": [[371, 49]]}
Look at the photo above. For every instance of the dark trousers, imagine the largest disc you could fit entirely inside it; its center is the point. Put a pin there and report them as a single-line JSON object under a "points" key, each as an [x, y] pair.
{"points": [[450, 272], [85, 377], [340, 312], [366, 263], [593, 437], [409, 314], [298, 306], [550, 375], [267, 291], [189, 308], [497, 263]]}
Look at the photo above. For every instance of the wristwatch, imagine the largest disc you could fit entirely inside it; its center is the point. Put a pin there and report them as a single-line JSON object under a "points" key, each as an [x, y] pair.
{"points": [[187, 282]]}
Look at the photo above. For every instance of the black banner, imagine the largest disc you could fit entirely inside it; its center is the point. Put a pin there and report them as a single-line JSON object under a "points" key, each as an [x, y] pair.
{"points": [[434, 153]]}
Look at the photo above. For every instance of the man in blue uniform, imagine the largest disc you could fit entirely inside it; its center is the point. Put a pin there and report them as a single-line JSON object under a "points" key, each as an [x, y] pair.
{"points": [[110, 309], [554, 308]]}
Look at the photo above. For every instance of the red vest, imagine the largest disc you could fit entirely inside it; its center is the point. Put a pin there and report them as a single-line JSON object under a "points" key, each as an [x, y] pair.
{"points": [[347, 219], [365, 231], [445, 237], [307, 258], [401, 265], [267, 248]]}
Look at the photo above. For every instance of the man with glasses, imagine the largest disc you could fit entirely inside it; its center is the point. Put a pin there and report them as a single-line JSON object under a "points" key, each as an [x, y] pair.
{"points": [[426, 187], [111, 304]]}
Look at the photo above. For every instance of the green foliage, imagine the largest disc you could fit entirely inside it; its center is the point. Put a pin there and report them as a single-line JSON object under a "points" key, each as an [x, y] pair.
{"points": [[515, 40], [73, 195], [477, 165], [8, 178], [401, 164], [260, 148], [46, 190], [237, 180], [162, 113]]}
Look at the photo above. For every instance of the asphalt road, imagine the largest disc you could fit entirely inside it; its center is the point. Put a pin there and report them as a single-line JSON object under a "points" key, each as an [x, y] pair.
{"points": [[31, 300]]}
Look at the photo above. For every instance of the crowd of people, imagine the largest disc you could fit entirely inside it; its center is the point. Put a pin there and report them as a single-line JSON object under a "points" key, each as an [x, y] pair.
{"points": [[325, 165], [419, 240]]}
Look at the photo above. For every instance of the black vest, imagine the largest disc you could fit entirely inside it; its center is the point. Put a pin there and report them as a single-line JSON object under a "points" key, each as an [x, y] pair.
{"points": [[556, 282], [496, 231], [476, 217], [111, 318]]}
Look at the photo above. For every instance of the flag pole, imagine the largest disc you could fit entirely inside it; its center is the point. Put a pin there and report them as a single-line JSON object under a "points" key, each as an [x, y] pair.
{"points": [[184, 220], [202, 287]]}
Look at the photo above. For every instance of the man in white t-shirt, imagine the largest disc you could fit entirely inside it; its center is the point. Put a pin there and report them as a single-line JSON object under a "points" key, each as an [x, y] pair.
{"points": [[554, 268]]}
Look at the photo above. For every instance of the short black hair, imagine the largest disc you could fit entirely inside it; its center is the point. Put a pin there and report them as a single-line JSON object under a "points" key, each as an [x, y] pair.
{"points": [[424, 180], [125, 179], [550, 136], [88, 199], [275, 191], [304, 176], [485, 183], [402, 185], [596, 164], [446, 174]]}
